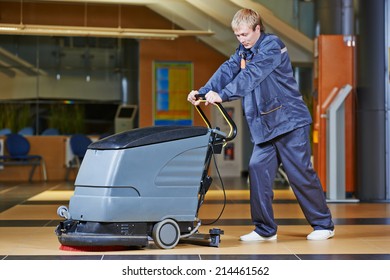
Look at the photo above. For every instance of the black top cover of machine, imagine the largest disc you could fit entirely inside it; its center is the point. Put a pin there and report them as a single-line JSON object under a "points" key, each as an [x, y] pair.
{"points": [[147, 136]]}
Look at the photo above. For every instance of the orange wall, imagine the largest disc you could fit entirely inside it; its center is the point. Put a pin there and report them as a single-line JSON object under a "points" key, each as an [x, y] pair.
{"points": [[205, 62], [332, 48]]}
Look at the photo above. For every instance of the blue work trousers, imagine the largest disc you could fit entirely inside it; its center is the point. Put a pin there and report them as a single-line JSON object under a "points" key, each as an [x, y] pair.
{"points": [[293, 151]]}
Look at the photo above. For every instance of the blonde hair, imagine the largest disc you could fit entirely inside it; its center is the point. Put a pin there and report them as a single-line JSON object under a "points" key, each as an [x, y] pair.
{"points": [[248, 17]]}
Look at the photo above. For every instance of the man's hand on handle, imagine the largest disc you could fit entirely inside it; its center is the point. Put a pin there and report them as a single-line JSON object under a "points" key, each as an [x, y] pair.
{"points": [[211, 98]]}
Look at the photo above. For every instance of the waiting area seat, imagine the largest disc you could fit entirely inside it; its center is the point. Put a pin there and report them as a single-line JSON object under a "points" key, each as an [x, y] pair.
{"points": [[5, 131], [51, 131], [79, 144], [18, 148], [28, 130]]}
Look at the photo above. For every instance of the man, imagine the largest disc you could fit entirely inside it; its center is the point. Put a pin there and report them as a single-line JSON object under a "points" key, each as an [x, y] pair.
{"points": [[260, 73]]}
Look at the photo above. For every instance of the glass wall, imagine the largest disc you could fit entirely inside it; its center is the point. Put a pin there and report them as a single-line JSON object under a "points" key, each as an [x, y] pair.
{"points": [[69, 83]]}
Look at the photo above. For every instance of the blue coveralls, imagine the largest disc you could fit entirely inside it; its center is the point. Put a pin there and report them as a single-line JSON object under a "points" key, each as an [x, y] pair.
{"points": [[279, 123]]}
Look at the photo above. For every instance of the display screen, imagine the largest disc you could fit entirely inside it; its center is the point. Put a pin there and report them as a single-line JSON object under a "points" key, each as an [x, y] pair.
{"points": [[126, 112]]}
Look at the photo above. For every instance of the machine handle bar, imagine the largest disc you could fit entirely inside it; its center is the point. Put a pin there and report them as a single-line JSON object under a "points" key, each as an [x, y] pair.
{"points": [[232, 125]]}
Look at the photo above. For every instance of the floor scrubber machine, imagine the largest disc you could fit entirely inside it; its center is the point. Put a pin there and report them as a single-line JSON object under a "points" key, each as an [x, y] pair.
{"points": [[144, 184]]}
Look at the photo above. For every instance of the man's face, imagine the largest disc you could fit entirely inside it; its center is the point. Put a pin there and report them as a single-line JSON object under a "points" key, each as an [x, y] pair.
{"points": [[247, 36]]}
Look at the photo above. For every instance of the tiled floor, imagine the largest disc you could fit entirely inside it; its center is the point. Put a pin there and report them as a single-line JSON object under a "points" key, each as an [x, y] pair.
{"points": [[28, 217]]}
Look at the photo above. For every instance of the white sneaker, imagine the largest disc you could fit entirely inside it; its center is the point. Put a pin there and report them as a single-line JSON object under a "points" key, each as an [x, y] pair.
{"points": [[321, 234], [254, 236]]}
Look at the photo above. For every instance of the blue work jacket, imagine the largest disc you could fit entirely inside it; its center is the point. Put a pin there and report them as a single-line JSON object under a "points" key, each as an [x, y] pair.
{"points": [[271, 100]]}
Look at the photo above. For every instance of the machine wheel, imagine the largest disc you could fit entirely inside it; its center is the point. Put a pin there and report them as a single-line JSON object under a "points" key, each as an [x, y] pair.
{"points": [[63, 212], [166, 234]]}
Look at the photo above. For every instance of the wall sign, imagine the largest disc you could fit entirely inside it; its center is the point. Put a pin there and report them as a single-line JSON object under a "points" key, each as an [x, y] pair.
{"points": [[172, 83]]}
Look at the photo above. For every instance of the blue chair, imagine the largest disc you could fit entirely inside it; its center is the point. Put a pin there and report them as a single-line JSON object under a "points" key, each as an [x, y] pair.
{"points": [[51, 131], [26, 131], [79, 144], [18, 148], [5, 131]]}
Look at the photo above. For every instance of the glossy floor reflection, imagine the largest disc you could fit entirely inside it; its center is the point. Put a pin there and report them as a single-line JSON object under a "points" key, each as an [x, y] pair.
{"points": [[28, 217]]}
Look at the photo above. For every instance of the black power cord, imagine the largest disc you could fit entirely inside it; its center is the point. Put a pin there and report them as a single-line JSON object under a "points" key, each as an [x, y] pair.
{"points": [[223, 188]]}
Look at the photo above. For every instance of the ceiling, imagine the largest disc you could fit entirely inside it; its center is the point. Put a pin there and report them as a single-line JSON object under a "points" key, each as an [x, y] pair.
{"points": [[214, 17]]}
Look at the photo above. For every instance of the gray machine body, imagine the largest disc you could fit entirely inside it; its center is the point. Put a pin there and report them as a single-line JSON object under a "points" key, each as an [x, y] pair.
{"points": [[144, 183], [141, 184]]}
